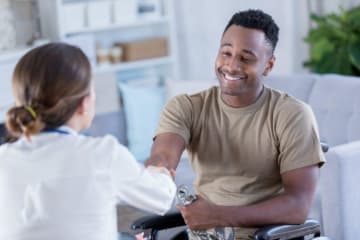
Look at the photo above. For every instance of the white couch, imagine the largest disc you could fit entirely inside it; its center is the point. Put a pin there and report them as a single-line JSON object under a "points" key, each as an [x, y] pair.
{"points": [[335, 100]]}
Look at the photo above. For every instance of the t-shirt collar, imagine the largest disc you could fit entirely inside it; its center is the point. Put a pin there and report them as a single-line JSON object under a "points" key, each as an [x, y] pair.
{"points": [[250, 108]]}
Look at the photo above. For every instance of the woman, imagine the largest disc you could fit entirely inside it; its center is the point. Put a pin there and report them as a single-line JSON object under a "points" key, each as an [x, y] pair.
{"points": [[54, 182]]}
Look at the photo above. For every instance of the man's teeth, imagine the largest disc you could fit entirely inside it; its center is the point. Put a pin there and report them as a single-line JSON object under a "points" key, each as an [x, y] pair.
{"points": [[232, 78]]}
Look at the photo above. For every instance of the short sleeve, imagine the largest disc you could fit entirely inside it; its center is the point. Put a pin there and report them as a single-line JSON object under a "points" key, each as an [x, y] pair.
{"points": [[137, 186], [177, 117], [299, 143]]}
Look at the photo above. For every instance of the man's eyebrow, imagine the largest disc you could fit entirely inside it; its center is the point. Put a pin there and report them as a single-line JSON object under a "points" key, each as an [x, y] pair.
{"points": [[226, 45], [249, 52]]}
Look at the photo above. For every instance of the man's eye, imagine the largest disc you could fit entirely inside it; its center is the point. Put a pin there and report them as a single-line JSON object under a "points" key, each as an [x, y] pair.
{"points": [[244, 59], [226, 54]]}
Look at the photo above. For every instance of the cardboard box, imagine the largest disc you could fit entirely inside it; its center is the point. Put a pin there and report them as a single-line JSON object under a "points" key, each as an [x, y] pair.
{"points": [[144, 49]]}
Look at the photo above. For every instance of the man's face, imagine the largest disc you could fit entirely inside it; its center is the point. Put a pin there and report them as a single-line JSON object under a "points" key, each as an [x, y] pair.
{"points": [[243, 58]]}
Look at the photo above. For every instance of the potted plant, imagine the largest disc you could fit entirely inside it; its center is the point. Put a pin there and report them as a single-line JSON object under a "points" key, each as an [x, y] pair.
{"points": [[335, 43]]}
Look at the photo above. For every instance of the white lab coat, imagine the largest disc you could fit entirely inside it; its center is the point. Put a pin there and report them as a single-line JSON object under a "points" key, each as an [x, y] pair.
{"points": [[65, 186]]}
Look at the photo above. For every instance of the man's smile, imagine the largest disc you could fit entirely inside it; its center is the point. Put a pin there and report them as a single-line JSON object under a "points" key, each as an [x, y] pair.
{"points": [[231, 77]]}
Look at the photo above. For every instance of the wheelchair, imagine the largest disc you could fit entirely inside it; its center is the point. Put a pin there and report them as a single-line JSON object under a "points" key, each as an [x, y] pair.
{"points": [[310, 229]]}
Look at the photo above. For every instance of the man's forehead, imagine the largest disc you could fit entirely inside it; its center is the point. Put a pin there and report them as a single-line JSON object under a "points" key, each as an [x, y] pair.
{"points": [[235, 31], [248, 38]]}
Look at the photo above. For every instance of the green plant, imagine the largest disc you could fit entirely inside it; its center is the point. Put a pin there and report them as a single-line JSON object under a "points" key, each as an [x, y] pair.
{"points": [[335, 43]]}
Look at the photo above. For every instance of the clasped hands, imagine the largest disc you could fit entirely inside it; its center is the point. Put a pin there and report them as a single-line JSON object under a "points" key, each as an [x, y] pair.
{"points": [[201, 214]]}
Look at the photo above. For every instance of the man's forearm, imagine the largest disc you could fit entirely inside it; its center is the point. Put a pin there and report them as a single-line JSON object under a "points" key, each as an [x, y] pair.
{"points": [[161, 160], [289, 207], [283, 209], [166, 151]]}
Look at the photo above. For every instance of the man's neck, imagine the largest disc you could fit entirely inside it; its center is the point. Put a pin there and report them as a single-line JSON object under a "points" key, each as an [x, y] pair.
{"points": [[240, 101]]}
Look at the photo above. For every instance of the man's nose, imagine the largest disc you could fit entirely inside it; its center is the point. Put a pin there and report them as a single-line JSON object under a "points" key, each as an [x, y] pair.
{"points": [[233, 64]]}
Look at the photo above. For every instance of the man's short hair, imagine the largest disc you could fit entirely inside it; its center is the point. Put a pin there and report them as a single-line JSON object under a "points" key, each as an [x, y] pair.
{"points": [[257, 19]]}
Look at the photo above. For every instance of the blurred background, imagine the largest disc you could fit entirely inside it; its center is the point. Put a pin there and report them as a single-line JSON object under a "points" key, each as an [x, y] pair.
{"points": [[137, 46]]}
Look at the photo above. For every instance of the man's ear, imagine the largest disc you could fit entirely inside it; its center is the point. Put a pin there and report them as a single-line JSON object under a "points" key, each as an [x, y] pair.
{"points": [[84, 106], [269, 65]]}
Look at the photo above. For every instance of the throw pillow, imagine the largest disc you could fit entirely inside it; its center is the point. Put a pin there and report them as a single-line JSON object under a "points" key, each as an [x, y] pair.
{"points": [[142, 105]]}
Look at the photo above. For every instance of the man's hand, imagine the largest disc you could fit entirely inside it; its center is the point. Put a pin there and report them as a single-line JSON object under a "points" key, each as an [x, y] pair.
{"points": [[157, 161], [164, 170], [200, 215]]}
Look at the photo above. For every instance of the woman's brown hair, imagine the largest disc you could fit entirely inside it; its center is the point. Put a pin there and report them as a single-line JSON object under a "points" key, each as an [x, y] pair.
{"points": [[49, 83]]}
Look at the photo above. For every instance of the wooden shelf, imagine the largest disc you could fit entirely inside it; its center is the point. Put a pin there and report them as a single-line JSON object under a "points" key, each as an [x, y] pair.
{"points": [[125, 66], [55, 28]]}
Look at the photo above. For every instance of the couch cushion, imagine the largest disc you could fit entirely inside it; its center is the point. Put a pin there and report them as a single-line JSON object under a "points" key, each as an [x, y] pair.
{"points": [[340, 192], [109, 123], [298, 86], [174, 87], [335, 100], [142, 106]]}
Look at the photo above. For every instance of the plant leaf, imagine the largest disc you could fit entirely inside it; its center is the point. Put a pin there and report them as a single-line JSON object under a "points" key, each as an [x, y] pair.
{"points": [[335, 42], [317, 18], [354, 52], [320, 48], [341, 62]]}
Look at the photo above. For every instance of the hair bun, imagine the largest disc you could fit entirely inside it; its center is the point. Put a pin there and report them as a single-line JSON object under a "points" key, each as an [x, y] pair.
{"points": [[23, 120]]}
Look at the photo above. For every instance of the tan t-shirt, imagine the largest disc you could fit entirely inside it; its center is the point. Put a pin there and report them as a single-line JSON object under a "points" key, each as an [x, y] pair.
{"points": [[239, 154]]}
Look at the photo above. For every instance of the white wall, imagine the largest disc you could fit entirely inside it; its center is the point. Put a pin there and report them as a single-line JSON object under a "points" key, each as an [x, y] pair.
{"points": [[328, 6], [23, 20]]}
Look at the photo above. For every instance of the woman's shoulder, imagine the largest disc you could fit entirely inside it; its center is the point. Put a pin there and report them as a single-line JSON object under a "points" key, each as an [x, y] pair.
{"points": [[106, 142]]}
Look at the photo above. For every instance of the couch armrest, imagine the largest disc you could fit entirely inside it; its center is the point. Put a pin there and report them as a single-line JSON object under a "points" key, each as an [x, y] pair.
{"points": [[340, 196]]}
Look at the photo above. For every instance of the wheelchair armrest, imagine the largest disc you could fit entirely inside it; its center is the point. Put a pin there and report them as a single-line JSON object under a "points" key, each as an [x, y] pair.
{"points": [[273, 232], [157, 223]]}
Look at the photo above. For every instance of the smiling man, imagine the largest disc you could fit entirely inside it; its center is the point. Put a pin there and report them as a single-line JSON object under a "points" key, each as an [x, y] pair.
{"points": [[255, 150]]}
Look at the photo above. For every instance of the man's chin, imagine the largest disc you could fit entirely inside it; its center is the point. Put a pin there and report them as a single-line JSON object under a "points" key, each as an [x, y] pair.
{"points": [[230, 92]]}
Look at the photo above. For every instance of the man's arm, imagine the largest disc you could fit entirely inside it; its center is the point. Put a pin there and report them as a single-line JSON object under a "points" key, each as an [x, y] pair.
{"points": [[166, 151], [290, 207]]}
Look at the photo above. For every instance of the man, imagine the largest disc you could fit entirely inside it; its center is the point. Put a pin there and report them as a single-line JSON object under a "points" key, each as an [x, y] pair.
{"points": [[255, 150]]}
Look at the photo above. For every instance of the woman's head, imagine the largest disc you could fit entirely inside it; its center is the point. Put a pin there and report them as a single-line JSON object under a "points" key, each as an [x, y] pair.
{"points": [[50, 83]]}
